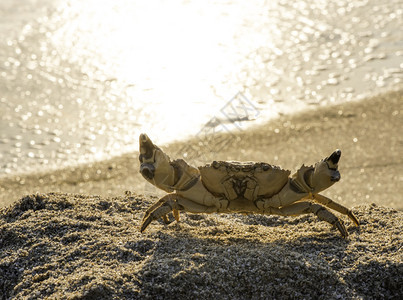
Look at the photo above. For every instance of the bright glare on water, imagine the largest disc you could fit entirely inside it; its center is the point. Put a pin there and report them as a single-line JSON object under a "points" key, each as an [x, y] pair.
{"points": [[79, 80]]}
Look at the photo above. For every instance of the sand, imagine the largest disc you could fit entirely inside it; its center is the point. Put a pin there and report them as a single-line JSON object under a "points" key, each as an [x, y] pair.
{"points": [[369, 133], [78, 238], [71, 246]]}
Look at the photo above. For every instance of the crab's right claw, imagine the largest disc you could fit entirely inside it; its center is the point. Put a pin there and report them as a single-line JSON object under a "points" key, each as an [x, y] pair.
{"points": [[147, 148], [147, 153], [147, 170]]}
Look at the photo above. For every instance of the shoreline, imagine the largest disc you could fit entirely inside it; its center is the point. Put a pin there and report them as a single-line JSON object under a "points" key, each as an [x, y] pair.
{"points": [[367, 132]]}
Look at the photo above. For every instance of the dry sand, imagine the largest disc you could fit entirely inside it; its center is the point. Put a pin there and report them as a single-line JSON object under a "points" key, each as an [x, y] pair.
{"points": [[89, 247], [61, 245]]}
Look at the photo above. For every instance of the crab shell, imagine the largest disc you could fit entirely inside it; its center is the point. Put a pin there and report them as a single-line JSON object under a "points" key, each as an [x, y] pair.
{"points": [[231, 179]]}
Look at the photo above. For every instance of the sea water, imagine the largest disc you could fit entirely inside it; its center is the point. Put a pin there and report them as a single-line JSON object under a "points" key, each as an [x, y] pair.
{"points": [[80, 79]]}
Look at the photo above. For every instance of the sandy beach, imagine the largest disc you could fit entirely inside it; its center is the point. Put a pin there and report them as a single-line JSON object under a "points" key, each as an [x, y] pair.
{"points": [[72, 246], [279, 82], [76, 235], [368, 133]]}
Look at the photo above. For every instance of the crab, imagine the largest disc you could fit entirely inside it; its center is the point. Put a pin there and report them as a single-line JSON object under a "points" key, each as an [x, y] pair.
{"points": [[240, 187]]}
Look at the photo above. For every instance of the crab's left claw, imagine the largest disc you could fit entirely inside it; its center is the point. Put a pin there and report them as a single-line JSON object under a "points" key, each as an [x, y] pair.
{"points": [[332, 162], [325, 173], [335, 156], [333, 159]]}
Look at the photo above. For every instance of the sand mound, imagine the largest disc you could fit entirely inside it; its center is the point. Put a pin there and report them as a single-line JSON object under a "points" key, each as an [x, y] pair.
{"points": [[89, 247]]}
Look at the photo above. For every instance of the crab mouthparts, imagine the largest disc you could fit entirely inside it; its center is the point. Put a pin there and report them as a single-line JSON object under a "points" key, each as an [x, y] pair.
{"points": [[335, 157]]}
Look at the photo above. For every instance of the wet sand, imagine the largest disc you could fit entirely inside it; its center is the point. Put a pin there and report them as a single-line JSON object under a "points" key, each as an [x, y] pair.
{"points": [[368, 133], [87, 245]]}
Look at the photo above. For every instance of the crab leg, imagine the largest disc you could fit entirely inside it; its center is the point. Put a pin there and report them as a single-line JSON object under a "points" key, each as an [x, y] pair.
{"points": [[336, 206], [159, 210], [174, 203], [305, 207], [154, 206]]}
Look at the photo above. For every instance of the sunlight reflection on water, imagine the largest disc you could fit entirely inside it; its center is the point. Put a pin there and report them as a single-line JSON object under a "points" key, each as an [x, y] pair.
{"points": [[81, 79]]}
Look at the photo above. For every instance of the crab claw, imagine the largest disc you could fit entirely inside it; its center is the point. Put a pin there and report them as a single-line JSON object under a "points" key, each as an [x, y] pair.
{"points": [[335, 176], [147, 170], [155, 165], [146, 148], [332, 162], [325, 173], [333, 159]]}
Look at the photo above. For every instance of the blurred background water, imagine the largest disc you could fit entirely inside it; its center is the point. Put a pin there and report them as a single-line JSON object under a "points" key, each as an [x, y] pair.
{"points": [[80, 79]]}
